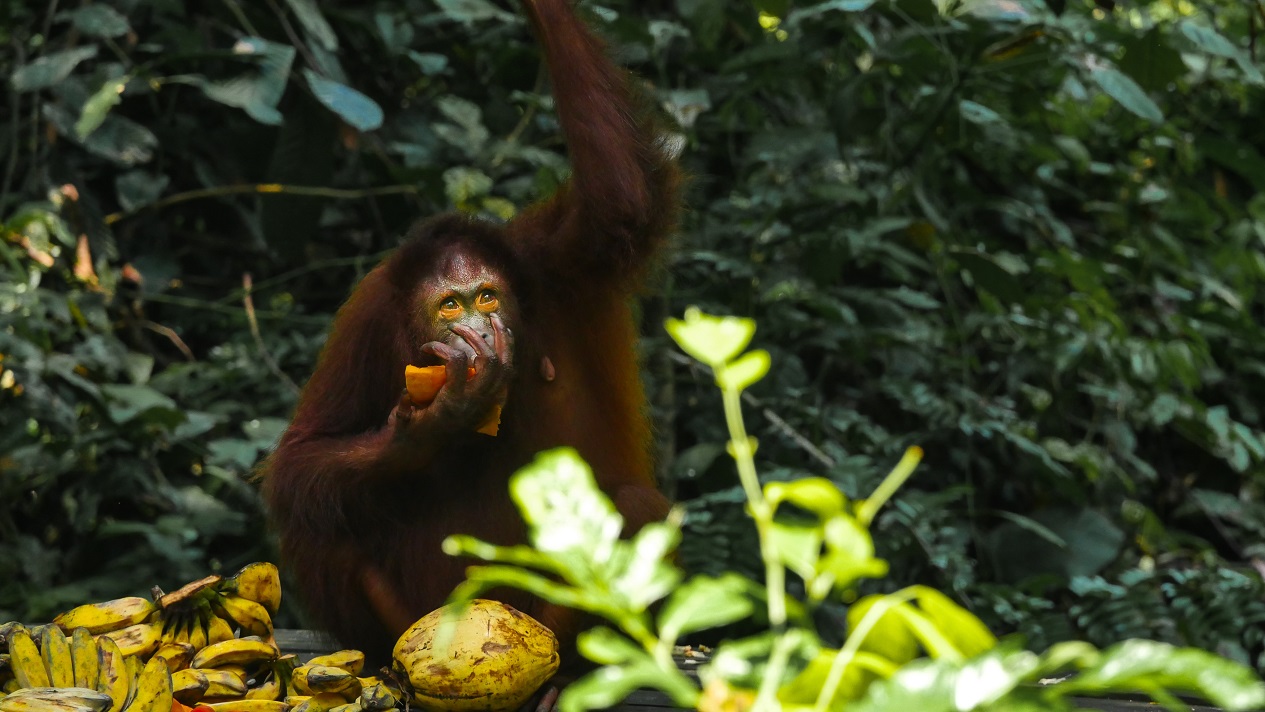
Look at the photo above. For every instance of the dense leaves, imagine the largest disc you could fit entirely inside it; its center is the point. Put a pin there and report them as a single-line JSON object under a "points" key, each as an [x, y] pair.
{"points": [[1024, 235]]}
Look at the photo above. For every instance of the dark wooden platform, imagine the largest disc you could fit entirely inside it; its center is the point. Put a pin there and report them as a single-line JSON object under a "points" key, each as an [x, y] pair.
{"points": [[308, 643]]}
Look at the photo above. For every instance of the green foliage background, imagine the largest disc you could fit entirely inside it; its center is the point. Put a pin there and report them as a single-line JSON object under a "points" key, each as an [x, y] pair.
{"points": [[1027, 236]]}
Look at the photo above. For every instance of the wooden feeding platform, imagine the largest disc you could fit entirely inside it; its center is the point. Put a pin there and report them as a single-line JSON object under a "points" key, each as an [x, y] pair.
{"points": [[307, 644]]}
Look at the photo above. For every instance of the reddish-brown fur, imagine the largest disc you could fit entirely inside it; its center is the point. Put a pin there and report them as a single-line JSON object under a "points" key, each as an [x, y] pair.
{"points": [[362, 539]]}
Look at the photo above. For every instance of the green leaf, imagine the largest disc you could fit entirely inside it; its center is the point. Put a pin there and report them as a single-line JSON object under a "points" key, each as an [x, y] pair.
{"points": [[50, 69], [1151, 60], [744, 372], [815, 494], [1127, 92], [977, 113], [129, 402], [607, 686], [358, 110], [990, 276], [258, 90], [470, 11], [966, 632], [711, 339], [314, 23], [564, 509], [645, 576], [705, 602], [136, 189], [1139, 665], [889, 635], [99, 20], [99, 104]]}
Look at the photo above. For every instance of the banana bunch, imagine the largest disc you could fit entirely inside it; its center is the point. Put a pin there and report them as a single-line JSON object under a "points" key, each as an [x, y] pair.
{"points": [[241, 675], [215, 609], [329, 683], [52, 673]]}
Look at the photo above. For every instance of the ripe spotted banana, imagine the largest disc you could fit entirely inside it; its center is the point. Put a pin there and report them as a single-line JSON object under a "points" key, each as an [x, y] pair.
{"points": [[87, 658], [104, 617], [55, 651], [224, 683], [153, 689], [55, 699], [252, 618], [258, 582], [316, 679], [250, 706], [140, 640], [352, 661], [176, 655], [24, 658], [238, 651], [377, 698], [189, 685], [113, 678]]}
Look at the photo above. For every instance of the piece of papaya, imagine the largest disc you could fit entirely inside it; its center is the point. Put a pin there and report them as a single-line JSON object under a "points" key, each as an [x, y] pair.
{"points": [[423, 384]]}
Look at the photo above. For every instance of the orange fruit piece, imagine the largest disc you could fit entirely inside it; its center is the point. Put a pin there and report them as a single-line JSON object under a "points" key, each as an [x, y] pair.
{"points": [[423, 384]]}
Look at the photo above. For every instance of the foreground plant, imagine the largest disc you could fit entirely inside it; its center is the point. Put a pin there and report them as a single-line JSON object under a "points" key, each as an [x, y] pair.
{"points": [[911, 649]]}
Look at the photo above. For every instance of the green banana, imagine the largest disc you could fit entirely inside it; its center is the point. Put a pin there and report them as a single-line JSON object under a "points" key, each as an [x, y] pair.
{"points": [[238, 651], [153, 689], [113, 678], [104, 617], [24, 658], [57, 659], [87, 658]]}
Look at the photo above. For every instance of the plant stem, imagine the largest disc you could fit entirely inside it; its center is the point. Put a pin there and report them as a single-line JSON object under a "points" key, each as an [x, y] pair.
{"points": [[889, 485], [774, 572], [853, 643]]}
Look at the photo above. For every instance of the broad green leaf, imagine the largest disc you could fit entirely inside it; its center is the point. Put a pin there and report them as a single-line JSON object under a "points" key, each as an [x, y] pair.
{"points": [[745, 371], [849, 554], [138, 188], [711, 339], [359, 111], [991, 277], [258, 90], [98, 105], [815, 494], [314, 23], [977, 113], [959, 625], [50, 69], [563, 507], [705, 602], [604, 646], [130, 401], [645, 574], [99, 20], [1127, 92], [1151, 60], [1141, 664], [889, 637], [863, 669], [122, 140], [796, 546], [470, 11]]}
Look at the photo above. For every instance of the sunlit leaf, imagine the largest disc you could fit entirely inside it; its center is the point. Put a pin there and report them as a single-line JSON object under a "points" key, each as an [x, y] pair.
{"points": [[358, 110]]}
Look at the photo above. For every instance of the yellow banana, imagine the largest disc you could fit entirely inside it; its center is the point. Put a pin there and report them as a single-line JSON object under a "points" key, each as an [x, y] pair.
{"points": [[224, 683], [349, 707], [323, 702], [134, 667], [140, 640], [113, 678], [189, 685], [177, 656], [250, 706], [250, 617], [197, 631], [24, 658], [153, 689], [270, 689], [104, 617], [10, 686], [350, 661], [326, 678], [57, 660], [259, 582], [217, 630], [377, 697], [55, 699], [87, 659], [238, 651], [296, 700]]}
